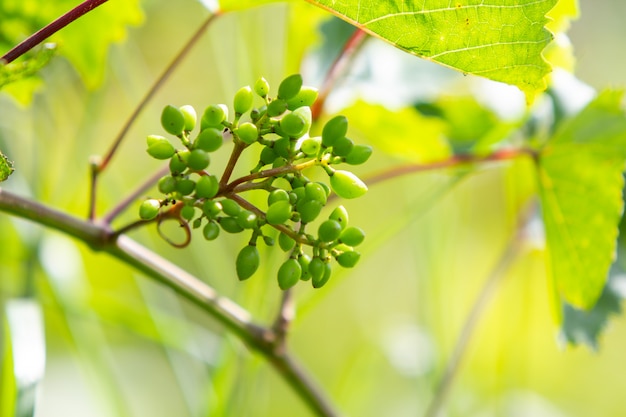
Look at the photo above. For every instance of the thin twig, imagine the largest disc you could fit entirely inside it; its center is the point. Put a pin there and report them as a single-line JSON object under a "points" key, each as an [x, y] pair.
{"points": [[51, 28], [480, 304]]}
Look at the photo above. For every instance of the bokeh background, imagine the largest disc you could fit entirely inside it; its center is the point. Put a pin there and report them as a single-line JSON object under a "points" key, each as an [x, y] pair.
{"points": [[377, 337]]}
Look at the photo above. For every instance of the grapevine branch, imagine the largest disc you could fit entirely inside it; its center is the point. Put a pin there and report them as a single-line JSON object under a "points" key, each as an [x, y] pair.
{"points": [[51, 28]]}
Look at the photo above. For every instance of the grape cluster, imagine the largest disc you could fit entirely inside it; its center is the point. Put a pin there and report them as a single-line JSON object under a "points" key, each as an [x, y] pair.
{"points": [[280, 127]]}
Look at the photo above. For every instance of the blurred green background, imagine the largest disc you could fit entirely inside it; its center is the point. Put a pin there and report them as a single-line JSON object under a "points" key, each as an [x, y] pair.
{"points": [[377, 337]]}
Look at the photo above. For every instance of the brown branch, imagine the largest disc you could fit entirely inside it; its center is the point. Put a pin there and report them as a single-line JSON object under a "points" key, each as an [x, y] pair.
{"points": [[51, 28]]}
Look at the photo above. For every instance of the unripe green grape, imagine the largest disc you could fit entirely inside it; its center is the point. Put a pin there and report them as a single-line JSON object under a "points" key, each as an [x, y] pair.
{"points": [[207, 186], [359, 154], [187, 212], [340, 215], [197, 223], [172, 120], [310, 146], [247, 132], [347, 185], [160, 149], [329, 231], [167, 184], [326, 188], [279, 162], [230, 207], [342, 146], [315, 191], [278, 212], [309, 210], [198, 160], [185, 186], [211, 208], [304, 260], [276, 107], [320, 272], [151, 139], [149, 209], [282, 147], [214, 115], [248, 261], [335, 128], [352, 236], [268, 240], [243, 100], [211, 231], [305, 97], [348, 259], [267, 156], [189, 115], [290, 87], [255, 114], [262, 87], [178, 163], [210, 139], [277, 195], [293, 125], [247, 219], [285, 242], [299, 194], [230, 225], [289, 273], [306, 114]]}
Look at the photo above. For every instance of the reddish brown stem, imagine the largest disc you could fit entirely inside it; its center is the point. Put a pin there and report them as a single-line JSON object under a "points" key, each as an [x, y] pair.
{"points": [[51, 28]]}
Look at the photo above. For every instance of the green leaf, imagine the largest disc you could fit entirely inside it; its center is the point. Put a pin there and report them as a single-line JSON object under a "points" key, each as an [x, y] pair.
{"points": [[6, 167], [404, 133], [580, 177], [498, 39], [23, 358]]}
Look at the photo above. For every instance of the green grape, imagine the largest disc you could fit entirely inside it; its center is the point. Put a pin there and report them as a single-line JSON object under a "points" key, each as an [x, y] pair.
{"points": [[329, 231], [167, 184], [316, 268], [340, 215], [213, 116], [248, 261], [172, 120], [185, 186], [247, 219], [276, 107], [230, 207], [230, 225], [269, 241], [198, 160], [197, 223], [304, 260], [282, 147], [247, 132], [211, 208], [211, 231], [255, 114], [149, 209], [335, 128], [268, 155], [290, 87], [277, 195], [342, 146], [310, 146], [151, 139], [322, 274], [293, 125], [299, 194], [210, 139], [359, 154], [305, 97], [326, 188], [309, 210], [348, 259], [207, 186], [189, 115], [243, 100], [347, 185], [352, 236], [188, 212], [278, 212], [178, 163], [289, 273], [305, 113], [160, 148], [315, 191], [285, 242], [262, 87]]}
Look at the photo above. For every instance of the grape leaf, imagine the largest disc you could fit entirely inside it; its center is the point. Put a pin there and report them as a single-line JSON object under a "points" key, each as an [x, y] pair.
{"points": [[6, 167], [498, 39], [580, 178]]}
